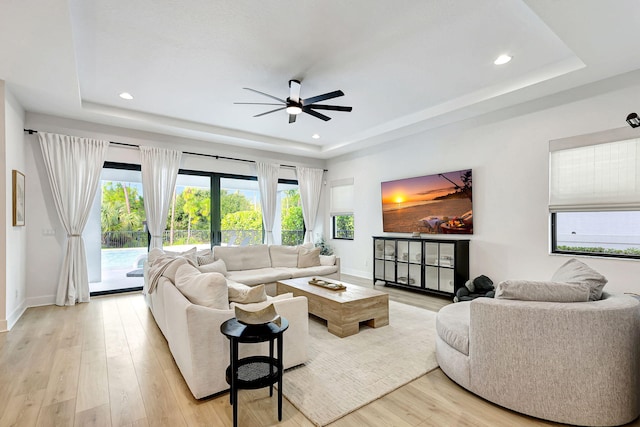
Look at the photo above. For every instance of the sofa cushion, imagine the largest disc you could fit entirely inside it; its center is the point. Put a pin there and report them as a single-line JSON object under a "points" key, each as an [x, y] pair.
{"points": [[308, 257], [283, 256], [321, 270], [207, 289], [526, 290], [214, 267], [243, 257], [452, 325], [259, 275], [246, 294], [574, 271]]}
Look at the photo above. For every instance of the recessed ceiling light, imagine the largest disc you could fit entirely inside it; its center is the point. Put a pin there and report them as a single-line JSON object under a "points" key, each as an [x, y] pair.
{"points": [[502, 59], [315, 136], [126, 95]]}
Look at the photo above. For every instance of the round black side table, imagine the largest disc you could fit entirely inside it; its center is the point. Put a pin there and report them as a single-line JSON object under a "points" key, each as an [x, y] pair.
{"points": [[255, 371]]}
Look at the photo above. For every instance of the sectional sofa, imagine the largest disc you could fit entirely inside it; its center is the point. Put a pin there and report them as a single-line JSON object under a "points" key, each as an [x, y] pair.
{"points": [[190, 321], [266, 264]]}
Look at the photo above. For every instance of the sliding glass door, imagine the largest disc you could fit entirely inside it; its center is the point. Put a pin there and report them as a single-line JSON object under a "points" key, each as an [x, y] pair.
{"points": [[116, 240]]}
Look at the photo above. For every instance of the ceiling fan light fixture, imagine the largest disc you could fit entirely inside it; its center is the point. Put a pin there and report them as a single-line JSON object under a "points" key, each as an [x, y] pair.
{"points": [[315, 136], [126, 95], [294, 109]]}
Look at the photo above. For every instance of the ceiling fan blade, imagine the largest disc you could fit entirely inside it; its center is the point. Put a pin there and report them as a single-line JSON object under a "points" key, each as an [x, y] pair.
{"points": [[316, 114], [330, 107], [294, 90], [265, 94], [256, 103], [292, 118], [272, 111], [323, 97]]}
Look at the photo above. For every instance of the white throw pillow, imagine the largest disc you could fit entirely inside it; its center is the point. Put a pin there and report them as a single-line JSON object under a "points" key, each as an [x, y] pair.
{"points": [[207, 289], [206, 259], [173, 266], [214, 267], [189, 254], [327, 260], [154, 254], [246, 294], [308, 257], [283, 256]]}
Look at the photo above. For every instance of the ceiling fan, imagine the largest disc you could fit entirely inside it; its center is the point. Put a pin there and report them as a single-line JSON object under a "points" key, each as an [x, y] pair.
{"points": [[296, 105]]}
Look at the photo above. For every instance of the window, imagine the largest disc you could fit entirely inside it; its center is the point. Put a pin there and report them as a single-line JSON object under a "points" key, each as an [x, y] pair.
{"points": [[342, 195], [189, 216], [221, 209], [291, 219], [594, 195], [342, 227]]}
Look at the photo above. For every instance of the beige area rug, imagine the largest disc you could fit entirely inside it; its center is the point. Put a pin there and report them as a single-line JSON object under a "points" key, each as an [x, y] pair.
{"points": [[344, 374]]}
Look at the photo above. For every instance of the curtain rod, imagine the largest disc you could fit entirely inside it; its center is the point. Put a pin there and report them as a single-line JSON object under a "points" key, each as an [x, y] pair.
{"points": [[214, 156]]}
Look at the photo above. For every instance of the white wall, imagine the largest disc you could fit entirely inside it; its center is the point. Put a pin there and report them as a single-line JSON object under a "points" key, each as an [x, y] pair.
{"points": [[509, 158], [13, 255], [48, 249]]}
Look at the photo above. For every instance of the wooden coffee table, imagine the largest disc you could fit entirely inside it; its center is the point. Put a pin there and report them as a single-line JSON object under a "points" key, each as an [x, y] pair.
{"points": [[343, 310]]}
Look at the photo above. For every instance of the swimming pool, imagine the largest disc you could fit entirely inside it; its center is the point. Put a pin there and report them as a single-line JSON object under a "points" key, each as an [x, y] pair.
{"points": [[115, 259]]}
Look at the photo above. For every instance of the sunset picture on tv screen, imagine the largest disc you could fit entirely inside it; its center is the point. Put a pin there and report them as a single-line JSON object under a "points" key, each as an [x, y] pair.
{"points": [[432, 204]]}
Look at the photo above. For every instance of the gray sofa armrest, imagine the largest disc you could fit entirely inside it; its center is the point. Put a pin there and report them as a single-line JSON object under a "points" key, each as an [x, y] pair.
{"points": [[579, 360]]}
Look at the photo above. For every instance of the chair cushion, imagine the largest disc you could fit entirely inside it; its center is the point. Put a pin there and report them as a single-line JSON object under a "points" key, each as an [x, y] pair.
{"points": [[574, 271], [452, 325]]}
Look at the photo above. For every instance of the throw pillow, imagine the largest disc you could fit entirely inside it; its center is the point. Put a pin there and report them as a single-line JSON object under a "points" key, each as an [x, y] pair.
{"points": [[574, 271], [173, 266], [283, 256], [206, 259], [308, 257], [207, 289], [214, 267], [154, 254], [526, 290], [246, 294], [327, 260], [189, 254]]}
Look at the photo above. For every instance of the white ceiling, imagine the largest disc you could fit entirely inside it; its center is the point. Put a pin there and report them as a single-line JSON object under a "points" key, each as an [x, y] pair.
{"points": [[400, 64]]}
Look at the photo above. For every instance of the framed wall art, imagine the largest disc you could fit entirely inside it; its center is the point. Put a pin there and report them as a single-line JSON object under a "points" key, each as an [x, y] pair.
{"points": [[18, 198]]}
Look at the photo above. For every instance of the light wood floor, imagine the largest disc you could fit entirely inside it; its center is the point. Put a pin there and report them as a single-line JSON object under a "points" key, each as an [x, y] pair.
{"points": [[106, 363]]}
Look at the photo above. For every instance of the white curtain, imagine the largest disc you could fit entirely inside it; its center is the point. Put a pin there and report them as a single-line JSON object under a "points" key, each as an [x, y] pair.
{"points": [[159, 172], [73, 167], [268, 184], [310, 184]]}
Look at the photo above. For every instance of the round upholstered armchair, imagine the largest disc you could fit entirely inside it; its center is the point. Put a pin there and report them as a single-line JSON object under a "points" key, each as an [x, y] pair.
{"points": [[569, 362]]}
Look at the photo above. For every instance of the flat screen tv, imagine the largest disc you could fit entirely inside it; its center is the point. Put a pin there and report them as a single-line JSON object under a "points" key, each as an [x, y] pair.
{"points": [[432, 204]]}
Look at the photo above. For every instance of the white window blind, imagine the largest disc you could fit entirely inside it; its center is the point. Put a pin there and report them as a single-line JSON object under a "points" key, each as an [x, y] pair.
{"points": [[341, 197], [595, 177]]}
